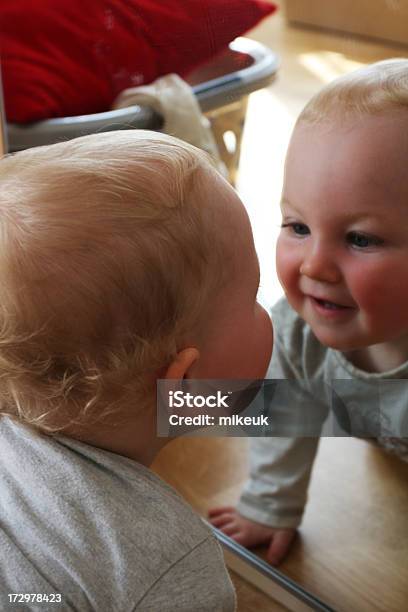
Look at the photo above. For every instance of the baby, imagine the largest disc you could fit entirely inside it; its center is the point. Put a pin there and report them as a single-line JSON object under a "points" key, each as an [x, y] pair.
{"points": [[342, 259], [124, 258]]}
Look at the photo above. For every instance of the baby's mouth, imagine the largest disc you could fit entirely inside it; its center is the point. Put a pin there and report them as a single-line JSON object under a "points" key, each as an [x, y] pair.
{"points": [[329, 305]]}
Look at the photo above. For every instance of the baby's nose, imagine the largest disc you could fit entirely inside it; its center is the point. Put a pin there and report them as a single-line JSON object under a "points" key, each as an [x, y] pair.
{"points": [[320, 264]]}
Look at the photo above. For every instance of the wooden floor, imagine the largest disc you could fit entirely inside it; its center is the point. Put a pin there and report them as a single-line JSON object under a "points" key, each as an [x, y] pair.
{"points": [[353, 547]]}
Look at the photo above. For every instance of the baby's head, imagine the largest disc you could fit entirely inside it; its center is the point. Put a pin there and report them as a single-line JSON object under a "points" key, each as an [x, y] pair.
{"points": [[343, 249], [124, 258]]}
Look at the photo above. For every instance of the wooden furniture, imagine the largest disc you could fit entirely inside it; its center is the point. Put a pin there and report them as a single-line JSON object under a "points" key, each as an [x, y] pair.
{"points": [[352, 551], [383, 19]]}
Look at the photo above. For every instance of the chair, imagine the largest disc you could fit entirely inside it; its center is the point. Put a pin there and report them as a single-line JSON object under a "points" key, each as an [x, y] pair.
{"points": [[222, 87]]}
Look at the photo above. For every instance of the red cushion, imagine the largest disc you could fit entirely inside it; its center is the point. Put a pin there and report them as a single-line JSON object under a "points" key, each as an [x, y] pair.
{"points": [[72, 57]]}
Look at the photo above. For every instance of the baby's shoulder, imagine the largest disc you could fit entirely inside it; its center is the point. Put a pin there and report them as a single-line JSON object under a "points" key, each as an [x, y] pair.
{"points": [[131, 496], [103, 528]]}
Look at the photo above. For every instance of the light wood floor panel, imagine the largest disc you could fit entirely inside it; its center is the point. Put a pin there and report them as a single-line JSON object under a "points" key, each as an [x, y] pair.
{"points": [[352, 551]]}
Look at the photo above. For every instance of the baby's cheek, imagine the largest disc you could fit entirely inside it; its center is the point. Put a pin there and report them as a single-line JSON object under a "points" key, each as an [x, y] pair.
{"points": [[287, 266], [377, 288]]}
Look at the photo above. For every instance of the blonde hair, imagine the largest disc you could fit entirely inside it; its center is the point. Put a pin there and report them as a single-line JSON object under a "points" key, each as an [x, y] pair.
{"points": [[374, 89], [108, 258]]}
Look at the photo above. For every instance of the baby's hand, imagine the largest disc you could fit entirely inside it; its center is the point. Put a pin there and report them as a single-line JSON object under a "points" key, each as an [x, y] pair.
{"points": [[248, 533]]}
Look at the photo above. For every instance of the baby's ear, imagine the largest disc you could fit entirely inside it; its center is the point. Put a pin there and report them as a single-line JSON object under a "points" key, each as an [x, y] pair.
{"points": [[182, 363], [171, 383]]}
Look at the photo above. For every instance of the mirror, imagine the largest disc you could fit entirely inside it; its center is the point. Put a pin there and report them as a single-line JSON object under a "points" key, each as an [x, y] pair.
{"points": [[353, 546]]}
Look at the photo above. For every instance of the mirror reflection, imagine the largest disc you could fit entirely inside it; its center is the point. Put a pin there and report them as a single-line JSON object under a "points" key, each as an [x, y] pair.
{"points": [[353, 539]]}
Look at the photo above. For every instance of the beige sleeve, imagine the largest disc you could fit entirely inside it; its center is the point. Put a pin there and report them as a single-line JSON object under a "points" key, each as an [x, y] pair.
{"points": [[276, 491]]}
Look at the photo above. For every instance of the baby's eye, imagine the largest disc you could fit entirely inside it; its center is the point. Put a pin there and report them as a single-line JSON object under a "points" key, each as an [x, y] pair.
{"points": [[300, 229], [363, 241]]}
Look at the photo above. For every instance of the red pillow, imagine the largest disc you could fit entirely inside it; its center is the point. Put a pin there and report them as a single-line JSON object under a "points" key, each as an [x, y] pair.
{"points": [[73, 57]]}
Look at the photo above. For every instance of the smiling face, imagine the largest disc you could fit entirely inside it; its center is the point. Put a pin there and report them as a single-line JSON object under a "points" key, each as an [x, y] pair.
{"points": [[342, 254]]}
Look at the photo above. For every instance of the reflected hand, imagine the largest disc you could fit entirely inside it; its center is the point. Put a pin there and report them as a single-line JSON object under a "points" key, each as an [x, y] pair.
{"points": [[249, 533]]}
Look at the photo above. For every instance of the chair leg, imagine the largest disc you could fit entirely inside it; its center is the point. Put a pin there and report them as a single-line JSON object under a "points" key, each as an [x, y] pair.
{"points": [[227, 123]]}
